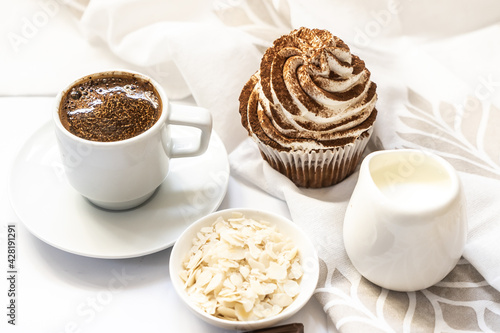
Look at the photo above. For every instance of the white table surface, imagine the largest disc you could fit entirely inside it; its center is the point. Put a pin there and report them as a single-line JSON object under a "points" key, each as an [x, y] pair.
{"points": [[63, 292]]}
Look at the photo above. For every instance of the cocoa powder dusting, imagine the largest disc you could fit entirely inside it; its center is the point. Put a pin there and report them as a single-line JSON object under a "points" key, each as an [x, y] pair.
{"points": [[310, 107]]}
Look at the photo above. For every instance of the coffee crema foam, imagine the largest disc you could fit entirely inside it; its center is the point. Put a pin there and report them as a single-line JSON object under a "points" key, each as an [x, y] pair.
{"points": [[110, 107]]}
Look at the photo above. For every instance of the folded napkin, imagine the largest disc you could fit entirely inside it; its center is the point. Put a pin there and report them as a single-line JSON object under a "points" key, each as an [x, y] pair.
{"points": [[439, 90], [186, 48], [463, 301], [428, 104]]}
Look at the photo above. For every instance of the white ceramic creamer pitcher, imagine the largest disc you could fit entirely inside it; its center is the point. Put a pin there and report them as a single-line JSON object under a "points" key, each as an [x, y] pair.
{"points": [[405, 227]]}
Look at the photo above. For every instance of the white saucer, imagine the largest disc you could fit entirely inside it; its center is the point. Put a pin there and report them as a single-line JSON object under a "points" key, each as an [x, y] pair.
{"points": [[58, 215]]}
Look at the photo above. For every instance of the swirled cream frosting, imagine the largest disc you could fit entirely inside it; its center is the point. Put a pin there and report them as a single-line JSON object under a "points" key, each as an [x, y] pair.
{"points": [[310, 93]]}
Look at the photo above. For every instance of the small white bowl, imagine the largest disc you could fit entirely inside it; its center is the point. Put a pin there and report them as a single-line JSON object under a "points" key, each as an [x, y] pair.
{"points": [[308, 260]]}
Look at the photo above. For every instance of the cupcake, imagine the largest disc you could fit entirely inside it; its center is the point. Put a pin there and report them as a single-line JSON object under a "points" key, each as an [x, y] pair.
{"points": [[310, 107]]}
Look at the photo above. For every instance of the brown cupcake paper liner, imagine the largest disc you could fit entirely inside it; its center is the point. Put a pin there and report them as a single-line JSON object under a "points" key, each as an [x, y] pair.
{"points": [[318, 168]]}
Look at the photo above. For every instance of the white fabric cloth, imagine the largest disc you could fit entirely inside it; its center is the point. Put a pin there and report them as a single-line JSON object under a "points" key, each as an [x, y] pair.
{"points": [[188, 53], [436, 95], [435, 64]]}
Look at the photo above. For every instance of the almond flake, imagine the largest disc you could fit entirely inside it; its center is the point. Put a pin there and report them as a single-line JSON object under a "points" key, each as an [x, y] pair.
{"points": [[242, 269]]}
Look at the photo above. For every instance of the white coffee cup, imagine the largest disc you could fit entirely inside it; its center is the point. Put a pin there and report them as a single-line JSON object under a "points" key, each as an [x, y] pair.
{"points": [[123, 174], [405, 226]]}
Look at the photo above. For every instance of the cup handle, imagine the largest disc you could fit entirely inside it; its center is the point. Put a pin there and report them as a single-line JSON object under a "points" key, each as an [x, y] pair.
{"points": [[191, 116]]}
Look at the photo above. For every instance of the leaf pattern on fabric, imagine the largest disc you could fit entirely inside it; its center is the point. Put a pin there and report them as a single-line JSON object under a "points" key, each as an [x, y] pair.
{"points": [[456, 135], [462, 302], [264, 20], [491, 147], [352, 305], [471, 120]]}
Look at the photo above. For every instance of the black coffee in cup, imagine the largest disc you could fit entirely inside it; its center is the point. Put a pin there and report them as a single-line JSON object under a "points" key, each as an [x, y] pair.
{"points": [[110, 107]]}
